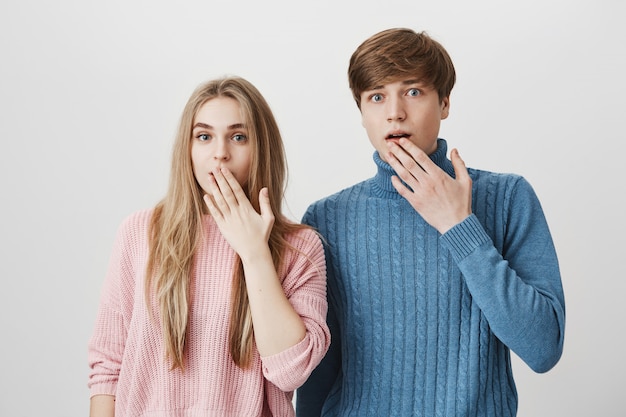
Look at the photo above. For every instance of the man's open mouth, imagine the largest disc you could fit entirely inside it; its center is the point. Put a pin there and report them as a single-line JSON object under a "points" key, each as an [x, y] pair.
{"points": [[397, 136]]}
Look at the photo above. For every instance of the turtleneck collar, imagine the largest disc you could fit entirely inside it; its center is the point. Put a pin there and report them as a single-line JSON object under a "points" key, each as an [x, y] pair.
{"points": [[381, 182]]}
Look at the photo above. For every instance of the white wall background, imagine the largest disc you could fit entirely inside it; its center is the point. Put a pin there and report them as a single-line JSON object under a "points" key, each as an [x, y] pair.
{"points": [[91, 93]]}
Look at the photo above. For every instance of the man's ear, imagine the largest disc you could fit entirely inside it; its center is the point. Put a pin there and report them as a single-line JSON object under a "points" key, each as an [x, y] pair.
{"points": [[445, 107]]}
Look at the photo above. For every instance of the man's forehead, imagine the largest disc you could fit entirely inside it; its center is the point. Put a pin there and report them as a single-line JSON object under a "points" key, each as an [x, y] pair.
{"points": [[404, 81]]}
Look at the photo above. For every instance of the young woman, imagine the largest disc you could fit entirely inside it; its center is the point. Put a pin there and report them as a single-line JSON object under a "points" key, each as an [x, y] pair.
{"points": [[214, 303]]}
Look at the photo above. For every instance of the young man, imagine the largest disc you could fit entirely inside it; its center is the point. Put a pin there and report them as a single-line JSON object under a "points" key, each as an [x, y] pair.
{"points": [[435, 271]]}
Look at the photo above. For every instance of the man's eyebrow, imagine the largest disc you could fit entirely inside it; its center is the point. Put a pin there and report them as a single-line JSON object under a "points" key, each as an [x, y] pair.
{"points": [[206, 126], [414, 81], [405, 82]]}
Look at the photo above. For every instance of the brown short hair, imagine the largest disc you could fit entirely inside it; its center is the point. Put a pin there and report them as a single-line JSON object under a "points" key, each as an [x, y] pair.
{"points": [[400, 53]]}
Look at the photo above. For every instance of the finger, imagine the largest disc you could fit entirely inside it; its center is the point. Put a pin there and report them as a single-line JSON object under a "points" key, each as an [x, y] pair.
{"points": [[218, 194], [460, 170], [234, 186], [421, 158], [224, 188], [213, 209], [462, 176], [233, 183], [404, 164], [401, 188], [264, 205]]}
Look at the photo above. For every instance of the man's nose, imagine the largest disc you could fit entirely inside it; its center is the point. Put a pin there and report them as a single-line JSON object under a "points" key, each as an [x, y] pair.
{"points": [[395, 109]]}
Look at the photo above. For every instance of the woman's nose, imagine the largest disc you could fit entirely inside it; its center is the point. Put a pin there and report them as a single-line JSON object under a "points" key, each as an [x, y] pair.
{"points": [[221, 150]]}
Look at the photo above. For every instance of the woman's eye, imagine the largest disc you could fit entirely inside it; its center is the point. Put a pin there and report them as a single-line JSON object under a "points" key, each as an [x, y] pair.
{"points": [[240, 137], [203, 137], [377, 97], [414, 92]]}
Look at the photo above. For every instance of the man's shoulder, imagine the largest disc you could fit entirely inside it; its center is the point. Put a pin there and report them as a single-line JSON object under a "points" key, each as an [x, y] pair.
{"points": [[481, 176], [501, 186], [331, 205], [354, 190]]}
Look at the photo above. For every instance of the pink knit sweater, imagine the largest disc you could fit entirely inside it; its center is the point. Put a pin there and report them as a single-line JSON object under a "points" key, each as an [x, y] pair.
{"points": [[126, 354]]}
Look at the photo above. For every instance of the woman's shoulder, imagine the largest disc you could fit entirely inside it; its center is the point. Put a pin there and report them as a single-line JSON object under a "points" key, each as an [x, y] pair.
{"points": [[138, 217], [301, 231], [136, 223], [305, 239], [305, 251]]}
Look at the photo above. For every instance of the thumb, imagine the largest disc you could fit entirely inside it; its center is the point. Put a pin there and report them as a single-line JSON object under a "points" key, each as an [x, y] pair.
{"points": [[264, 203], [462, 177], [460, 170]]}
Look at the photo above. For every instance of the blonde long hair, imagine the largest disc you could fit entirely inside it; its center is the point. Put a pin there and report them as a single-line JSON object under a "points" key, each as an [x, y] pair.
{"points": [[176, 225]]}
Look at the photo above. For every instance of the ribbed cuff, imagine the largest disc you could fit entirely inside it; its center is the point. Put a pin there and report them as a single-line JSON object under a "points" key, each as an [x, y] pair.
{"points": [[286, 369], [466, 236], [104, 388]]}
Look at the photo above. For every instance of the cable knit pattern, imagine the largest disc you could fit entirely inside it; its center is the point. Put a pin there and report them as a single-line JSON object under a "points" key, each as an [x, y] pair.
{"points": [[126, 353], [422, 323]]}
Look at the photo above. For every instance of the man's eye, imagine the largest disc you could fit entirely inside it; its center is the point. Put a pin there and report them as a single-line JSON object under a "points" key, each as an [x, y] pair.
{"points": [[203, 137], [414, 92], [240, 138], [377, 97]]}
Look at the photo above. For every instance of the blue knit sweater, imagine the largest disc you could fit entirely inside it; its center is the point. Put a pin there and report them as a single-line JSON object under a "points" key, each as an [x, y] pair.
{"points": [[422, 323]]}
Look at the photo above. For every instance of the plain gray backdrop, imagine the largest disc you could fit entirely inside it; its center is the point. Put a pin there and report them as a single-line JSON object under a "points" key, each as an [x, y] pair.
{"points": [[91, 94]]}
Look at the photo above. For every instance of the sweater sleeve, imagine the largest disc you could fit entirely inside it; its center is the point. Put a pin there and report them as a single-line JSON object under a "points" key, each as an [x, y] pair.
{"points": [[311, 396], [304, 282], [106, 345], [519, 288]]}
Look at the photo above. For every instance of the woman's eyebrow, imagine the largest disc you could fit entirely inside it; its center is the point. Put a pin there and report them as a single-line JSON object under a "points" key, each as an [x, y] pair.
{"points": [[207, 126], [202, 125]]}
